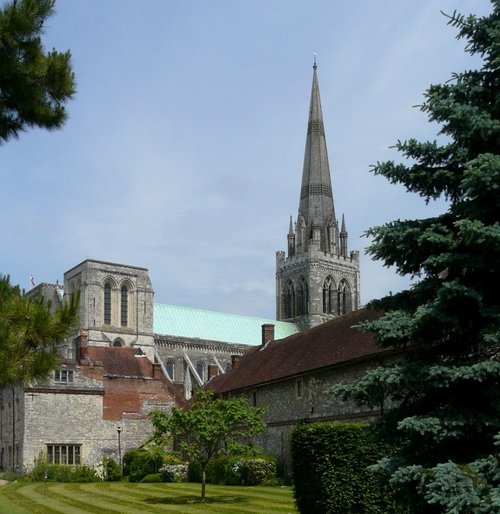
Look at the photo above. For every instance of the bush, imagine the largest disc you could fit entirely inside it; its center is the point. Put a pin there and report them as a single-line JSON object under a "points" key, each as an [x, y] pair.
{"points": [[61, 473], [330, 472], [111, 471], [237, 470], [139, 463], [151, 478], [174, 473], [256, 471]]}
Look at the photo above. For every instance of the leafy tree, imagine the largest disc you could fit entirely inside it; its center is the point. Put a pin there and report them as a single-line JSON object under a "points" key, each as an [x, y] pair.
{"points": [[447, 391], [30, 334], [209, 427], [33, 85]]}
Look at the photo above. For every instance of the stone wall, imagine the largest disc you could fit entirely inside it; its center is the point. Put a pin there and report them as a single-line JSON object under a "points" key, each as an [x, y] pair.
{"points": [[307, 399]]}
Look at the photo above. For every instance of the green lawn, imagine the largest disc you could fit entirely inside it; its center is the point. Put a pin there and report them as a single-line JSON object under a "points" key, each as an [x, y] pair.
{"points": [[126, 498]]}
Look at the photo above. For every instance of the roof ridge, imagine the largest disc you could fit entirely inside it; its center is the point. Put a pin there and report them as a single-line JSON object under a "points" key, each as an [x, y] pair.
{"points": [[223, 313]]}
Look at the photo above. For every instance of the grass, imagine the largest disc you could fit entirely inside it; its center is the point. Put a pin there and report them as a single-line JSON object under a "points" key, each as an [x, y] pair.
{"points": [[126, 498]]}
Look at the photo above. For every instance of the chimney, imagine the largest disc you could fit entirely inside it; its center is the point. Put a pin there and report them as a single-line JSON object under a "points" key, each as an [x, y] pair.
{"points": [[213, 371], [267, 334], [82, 345], [235, 360]]}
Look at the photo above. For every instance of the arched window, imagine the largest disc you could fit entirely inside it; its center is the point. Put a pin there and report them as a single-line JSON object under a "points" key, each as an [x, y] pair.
{"points": [[289, 300], [107, 303], [328, 296], [118, 342], [124, 305], [200, 369], [302, 298], [343, 298], [228, 367], [170, 367]]}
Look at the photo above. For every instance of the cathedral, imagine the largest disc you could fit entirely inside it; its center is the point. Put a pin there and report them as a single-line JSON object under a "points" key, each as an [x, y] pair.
{"points": [[130, 354]]}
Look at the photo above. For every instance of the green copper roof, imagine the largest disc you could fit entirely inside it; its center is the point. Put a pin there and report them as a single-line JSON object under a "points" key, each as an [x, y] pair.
{"points": [[215, 326]]}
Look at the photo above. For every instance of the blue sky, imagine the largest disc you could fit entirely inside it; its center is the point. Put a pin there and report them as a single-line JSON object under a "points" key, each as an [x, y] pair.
{"points": [[183, 152]]}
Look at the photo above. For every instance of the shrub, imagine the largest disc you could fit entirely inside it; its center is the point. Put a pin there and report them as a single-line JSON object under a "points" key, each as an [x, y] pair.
{"points": [[151, 478], [330, 472], [174, 473], [256, 471], [82, 474], [237, 470], [139, 463], [111, 471]]}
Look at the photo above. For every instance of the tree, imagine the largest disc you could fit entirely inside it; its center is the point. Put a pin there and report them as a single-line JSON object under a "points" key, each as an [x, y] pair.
{"points": [[447, 390], [209, 427], [30, 334], [34, 86]]}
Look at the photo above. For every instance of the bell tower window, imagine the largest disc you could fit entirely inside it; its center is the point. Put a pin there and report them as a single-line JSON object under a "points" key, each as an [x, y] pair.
{"points": [[124, 305], [107, 303], [343, 298], [289, 300], [328, 296]]}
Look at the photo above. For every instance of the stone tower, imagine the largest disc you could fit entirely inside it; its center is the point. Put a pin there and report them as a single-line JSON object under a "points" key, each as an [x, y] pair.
{"points": [[318, 278], [116, 305]]}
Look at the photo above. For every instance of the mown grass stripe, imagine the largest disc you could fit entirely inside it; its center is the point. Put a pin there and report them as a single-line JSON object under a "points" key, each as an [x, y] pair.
{"points": [[139, 500], [150, 498], [126, 498], [93, 503], [42, 496]]}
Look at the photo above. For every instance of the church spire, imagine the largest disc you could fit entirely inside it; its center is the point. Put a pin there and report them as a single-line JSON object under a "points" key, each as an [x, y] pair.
{"points": [[316, 198], [318, 279]]}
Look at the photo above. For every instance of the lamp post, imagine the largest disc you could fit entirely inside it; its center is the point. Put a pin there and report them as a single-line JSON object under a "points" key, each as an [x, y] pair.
{"points": [[119, 430]]}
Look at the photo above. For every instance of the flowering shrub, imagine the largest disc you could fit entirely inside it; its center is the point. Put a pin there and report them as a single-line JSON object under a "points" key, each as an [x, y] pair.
{"points": [[174, 473], [253, 471]]}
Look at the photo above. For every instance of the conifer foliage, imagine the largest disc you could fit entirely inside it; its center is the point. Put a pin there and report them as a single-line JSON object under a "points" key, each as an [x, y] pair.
{"points": [[447, 392], [34, 85], [31, 333]]}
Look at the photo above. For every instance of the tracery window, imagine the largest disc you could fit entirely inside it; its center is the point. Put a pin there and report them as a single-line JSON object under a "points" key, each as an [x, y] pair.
{"points": [[289, 300], [124, 305], [343, 298], [302, 298], [328, 296], [107, 303]]}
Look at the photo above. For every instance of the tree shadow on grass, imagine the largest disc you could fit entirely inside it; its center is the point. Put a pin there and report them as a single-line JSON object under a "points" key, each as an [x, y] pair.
{"points": [[182, 500]]}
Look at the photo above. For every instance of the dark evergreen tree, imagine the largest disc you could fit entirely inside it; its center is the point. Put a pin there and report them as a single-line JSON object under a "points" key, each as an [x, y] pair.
{"points": [[33, 85], [447, 392], [31, 333]]}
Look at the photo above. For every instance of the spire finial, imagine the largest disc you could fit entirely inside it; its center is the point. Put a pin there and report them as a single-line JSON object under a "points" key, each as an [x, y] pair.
{"points": [[314, 56]]}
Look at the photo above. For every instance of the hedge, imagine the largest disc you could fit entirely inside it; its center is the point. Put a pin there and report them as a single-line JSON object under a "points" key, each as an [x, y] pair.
{"points": [[330, 472]]}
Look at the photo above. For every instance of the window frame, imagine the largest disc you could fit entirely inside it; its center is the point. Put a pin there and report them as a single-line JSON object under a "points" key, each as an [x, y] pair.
{"points": [[61, 454], [64, 376]]}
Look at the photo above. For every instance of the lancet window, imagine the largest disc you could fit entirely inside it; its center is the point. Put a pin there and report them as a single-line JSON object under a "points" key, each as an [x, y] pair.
{"points": [[302, 298], [289, 300], [107, 303], [328, 296], [343, 298]]}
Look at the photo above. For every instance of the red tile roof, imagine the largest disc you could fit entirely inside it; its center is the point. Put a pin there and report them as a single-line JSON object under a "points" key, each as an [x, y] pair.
{"points": [[124, 362], [329, 344], [121, 361]]}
